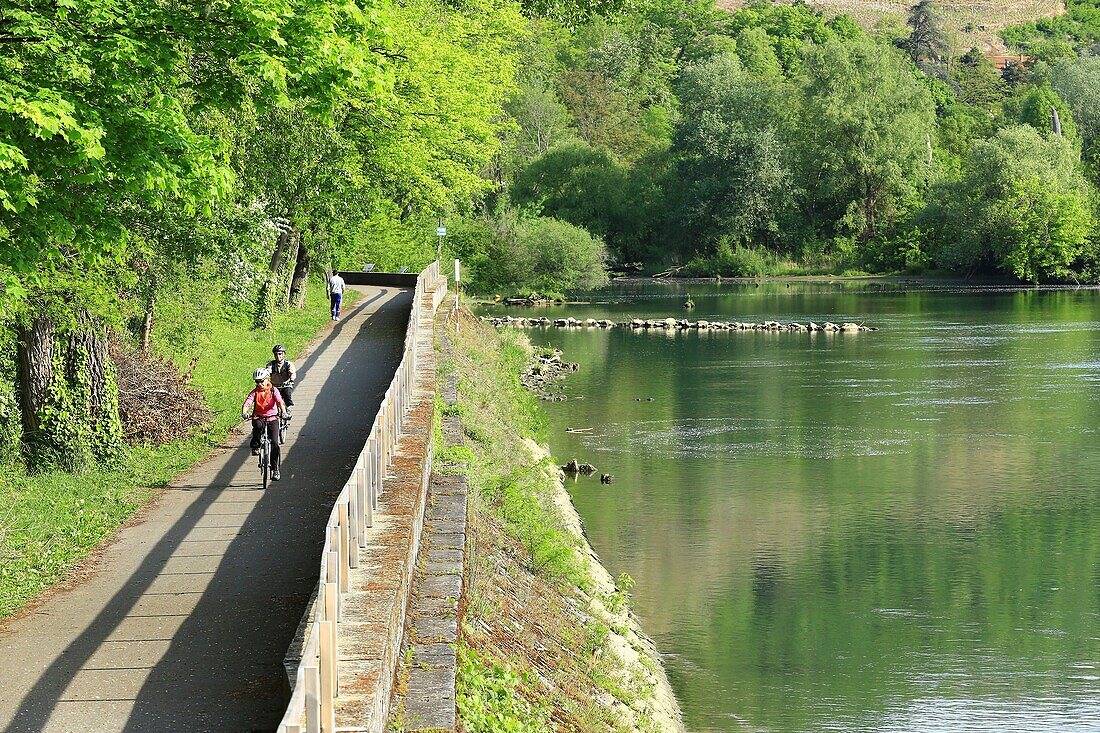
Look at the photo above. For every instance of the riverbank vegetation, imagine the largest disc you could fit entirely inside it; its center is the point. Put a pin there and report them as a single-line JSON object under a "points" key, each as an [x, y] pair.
{"points": [[547, 641]]}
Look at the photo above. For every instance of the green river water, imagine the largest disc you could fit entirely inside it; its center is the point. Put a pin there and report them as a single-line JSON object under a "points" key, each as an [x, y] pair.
{"points": [[890, 531]]}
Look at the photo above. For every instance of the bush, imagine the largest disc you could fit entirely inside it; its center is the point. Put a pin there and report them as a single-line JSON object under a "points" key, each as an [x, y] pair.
{"points": [[515, 253], [733, 261], [904, 251]]}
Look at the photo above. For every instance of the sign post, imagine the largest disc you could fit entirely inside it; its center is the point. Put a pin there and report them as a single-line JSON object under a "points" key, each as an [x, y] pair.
{"points": [[440, 231]]}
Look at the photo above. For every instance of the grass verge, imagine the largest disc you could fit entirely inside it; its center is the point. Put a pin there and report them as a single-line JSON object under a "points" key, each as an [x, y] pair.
{"points": [[544, 644], [50, 522]]}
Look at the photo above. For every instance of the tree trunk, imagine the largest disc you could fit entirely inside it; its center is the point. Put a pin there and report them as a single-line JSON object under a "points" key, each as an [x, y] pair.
{"points": [[281, 243], [286, 273], [147, 321], [301, 277], [68, 395], [265, 308], [35, 350], [88, 367]]}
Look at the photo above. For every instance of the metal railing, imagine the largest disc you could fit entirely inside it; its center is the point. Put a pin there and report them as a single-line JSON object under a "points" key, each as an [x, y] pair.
{"points": [[316, 683]]}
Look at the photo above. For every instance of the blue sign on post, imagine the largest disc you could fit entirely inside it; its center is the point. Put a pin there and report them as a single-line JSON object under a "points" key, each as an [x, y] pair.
{"points": [[441, 231]]}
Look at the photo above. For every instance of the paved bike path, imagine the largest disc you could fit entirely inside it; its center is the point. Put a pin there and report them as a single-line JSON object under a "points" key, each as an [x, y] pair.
{"points": [[185, 622]]}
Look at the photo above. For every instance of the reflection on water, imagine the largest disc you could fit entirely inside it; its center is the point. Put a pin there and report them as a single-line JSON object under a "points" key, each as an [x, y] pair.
{"points": [[894, 531]]}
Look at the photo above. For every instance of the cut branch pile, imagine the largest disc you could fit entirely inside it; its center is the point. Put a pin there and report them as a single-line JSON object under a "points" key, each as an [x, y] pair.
{"points": [[157, 404]]}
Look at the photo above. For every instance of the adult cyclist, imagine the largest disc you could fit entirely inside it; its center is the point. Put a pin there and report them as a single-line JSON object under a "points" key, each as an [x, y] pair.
{"points": [[265, 406], [283, 373]]}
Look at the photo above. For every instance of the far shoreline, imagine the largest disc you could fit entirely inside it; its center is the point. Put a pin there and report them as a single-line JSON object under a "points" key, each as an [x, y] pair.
{"points": [[925, 283]]}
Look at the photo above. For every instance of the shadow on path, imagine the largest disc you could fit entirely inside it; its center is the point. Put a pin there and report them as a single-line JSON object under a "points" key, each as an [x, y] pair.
{"points": [[194, 638]]}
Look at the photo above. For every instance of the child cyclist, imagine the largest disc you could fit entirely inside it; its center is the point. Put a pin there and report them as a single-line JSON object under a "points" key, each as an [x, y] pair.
{"points": [[265, 406]]}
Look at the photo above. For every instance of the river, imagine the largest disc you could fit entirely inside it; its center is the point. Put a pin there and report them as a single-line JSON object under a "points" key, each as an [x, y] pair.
{"points": [[889, 531]]}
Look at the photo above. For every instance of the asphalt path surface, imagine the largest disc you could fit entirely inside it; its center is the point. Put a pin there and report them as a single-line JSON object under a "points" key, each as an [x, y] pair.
{"points": [[184, 622]]}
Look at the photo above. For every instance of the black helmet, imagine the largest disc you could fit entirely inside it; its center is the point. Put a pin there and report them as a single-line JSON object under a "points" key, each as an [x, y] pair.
{"points": [[277, 348]]}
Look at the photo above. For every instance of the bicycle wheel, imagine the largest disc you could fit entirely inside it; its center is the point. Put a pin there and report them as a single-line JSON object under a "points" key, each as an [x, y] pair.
{"points": [[265, 462], [283, 425]]}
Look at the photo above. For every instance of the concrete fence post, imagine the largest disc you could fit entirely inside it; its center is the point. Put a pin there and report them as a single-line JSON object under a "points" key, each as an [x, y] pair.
{"points": [[379, 487], [349, 550], [385, 414], [364, 514], [332, 565], [328, 680], [355, 516], [313, 698], [332, 601]]}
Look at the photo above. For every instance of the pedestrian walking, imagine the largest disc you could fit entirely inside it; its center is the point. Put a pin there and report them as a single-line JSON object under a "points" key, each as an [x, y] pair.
{"points": [[335, 294]]}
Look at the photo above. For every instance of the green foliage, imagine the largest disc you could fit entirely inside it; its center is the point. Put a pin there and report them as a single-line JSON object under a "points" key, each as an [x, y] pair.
{"points": [[490, 700], [866, 127], [1033, 105], [977, 82], [516, 253], [1054, 38], [905, 251], [577, 183], [618, 601], [1078, 82], [1022, 207], [389, 242], [733, 260], [426, 145], [791, 29], [94, 105], [734, 164]]}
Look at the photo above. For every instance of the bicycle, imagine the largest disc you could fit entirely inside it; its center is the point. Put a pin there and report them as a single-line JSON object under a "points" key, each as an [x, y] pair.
{"points": [[284, 424], [265, 457]]}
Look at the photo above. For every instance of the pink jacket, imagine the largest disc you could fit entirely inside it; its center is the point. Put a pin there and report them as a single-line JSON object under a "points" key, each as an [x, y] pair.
{"points": [[263, 406]]}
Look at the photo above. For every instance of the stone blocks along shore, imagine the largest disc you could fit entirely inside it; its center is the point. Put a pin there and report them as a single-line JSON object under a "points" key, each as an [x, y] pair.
{"points": [[674, 324]]}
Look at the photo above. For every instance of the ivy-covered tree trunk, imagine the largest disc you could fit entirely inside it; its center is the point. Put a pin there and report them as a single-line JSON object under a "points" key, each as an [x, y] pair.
{"points": [[35, 349], [286, 276], [269, 293], [301, 277], [68, 395]]}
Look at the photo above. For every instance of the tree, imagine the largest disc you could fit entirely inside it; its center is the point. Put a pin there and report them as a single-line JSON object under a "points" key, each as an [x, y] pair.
{"points": [[976, 81], [93, 106], [512, 252], [1022, 207], [1078, 82], [543, 120], [865, 129], [1035, 105], [576, 183], [791, 29], [424, 147], [927, 43], [604, 117], [97, 112], [733, 159]]}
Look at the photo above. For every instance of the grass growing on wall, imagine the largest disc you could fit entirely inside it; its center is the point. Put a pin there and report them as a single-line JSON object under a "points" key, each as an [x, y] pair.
{"points": [[534, 653], [49, 522]]}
